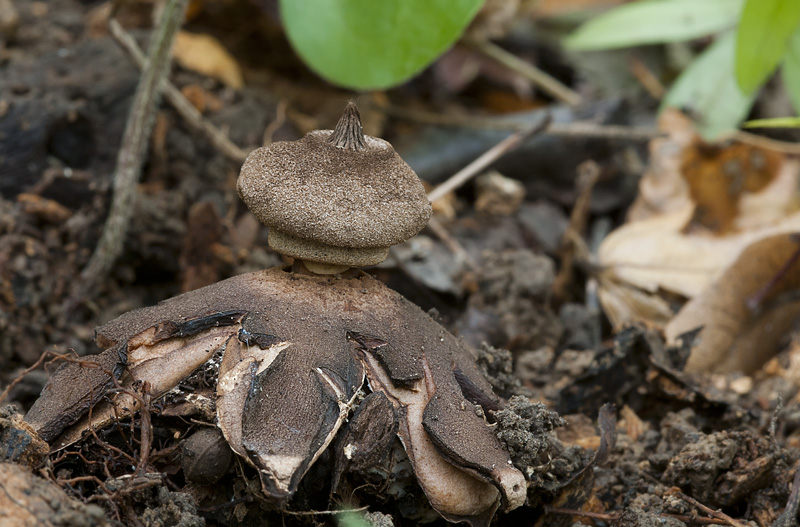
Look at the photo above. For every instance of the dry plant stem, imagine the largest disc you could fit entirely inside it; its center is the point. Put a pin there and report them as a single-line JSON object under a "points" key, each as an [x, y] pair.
{"points": [[280, 119], [184, 108], [147, 431], [487, 158], [132, 152], [765, 142], [468, 172], [572, 242], [708, 510], [582, 129], [614, 516], [647, 78], [545, 82], [22, 375], [453, 244], [321, 513]]}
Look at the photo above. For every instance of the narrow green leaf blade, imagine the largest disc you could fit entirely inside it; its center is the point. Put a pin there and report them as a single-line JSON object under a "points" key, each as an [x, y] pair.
{"points": [[762, 37], [776, 122], [369, 44], [707, 89], [655, 21], [791, 70]]}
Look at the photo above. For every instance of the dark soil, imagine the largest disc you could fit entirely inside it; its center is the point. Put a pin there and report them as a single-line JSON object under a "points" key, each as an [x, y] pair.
{"points": [[65, 91]]}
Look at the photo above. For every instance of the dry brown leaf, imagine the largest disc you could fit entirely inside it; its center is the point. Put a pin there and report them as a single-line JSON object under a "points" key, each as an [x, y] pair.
{"points": [[698, 207], [662, 189], [623, 303], [736, 337], [719, 177], [634, 426], [204, 54], [655, 254]]}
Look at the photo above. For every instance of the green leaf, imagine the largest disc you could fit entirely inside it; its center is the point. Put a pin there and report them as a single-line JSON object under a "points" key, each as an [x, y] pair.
{"points": [[776, 122], [791, 70], [708, 91], [368, 44], [655, 21], [762, 37]]}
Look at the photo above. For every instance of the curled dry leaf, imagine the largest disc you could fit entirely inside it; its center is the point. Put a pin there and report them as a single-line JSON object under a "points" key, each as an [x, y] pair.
{"points": [[204, 54], [736, 336], [699, 206]]}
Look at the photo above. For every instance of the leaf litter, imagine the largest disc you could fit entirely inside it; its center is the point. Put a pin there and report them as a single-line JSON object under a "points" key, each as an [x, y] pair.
{"points": [[721, 438]]}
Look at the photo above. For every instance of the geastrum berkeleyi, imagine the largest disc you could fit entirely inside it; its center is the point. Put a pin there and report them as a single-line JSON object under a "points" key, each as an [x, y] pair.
{"points": [[294, 350]]}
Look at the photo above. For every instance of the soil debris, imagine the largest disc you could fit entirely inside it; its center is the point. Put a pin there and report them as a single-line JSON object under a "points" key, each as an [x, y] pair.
{"points": [[524, 428], [511, 308], [30, 501], [19, 442]]}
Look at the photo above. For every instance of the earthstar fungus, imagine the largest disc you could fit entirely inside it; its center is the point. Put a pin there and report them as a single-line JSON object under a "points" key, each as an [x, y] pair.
{"points": [[292, 352]]}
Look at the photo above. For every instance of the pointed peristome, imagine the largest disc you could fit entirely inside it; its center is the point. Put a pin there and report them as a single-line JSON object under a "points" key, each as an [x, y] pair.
{"points": [[348, 133]]}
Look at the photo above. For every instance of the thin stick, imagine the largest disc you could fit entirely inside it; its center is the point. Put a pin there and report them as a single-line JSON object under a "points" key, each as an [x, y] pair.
{"points": [[22, 375], [323, 513], [147, 432], [708, 510], [766, 142], [582, 129], [614, 516], [185, 109], [453, 244], [132, 152], [572, 241], [647, 78], [541, 79], [610, 131], [488, 157]]}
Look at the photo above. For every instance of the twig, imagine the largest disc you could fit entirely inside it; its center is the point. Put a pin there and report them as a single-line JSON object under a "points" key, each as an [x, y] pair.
{"points": [[614, 516], [647, 78], [322, 513], [708, 510], [131, 153], [280, 119], [470, 171], [22, 375], [609, 131], [572, 242], [765, 142], [185, 109], [488, 157], [147, 431], [581, 129], [453, 244], [541, 79]]}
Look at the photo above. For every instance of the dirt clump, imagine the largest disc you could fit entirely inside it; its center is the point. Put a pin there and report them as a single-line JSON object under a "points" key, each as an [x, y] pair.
{"points": [[28, 501], [524, 428], [511, 308]]}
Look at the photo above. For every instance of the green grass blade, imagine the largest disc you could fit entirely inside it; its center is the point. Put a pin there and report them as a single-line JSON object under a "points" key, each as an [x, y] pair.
{"points": [[762, 38], [655, 21]]}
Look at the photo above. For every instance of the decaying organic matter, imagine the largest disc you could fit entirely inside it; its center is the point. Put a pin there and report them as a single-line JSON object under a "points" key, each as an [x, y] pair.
{"points": [[296, 349]]}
